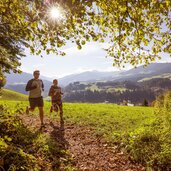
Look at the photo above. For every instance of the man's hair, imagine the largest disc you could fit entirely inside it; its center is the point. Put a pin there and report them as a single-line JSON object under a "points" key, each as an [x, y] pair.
{"points": [[35, 71]]}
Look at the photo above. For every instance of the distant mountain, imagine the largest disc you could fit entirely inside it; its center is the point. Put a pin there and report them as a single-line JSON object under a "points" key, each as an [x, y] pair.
{"points": [[22, 78], [153, 68], [17, 82], [140, 73], [16, 79], [89, 76], [135, 74], [117, 92]]}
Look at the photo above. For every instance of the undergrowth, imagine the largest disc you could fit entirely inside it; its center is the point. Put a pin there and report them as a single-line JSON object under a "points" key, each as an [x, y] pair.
{"points": [[24, 149], [151, 143]]}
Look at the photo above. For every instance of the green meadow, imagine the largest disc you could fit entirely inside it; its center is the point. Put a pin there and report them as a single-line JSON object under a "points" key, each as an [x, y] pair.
{"points": [[11, 95], [139, 131]]}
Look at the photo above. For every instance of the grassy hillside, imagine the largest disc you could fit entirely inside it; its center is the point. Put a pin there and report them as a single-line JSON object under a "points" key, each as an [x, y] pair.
{"points": [[12, 95], [137, 130]]}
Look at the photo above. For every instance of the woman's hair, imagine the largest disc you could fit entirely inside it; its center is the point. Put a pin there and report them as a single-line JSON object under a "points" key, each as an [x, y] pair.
{"points": [[55, 80]]}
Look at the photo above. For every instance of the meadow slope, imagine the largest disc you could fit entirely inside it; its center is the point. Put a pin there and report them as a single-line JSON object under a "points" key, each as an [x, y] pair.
{"points": [[93, 134], [12, 95]]}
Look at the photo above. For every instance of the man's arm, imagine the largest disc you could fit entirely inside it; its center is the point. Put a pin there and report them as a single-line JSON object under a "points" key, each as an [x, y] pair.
{"points": [[29, 86], [42, 85]]}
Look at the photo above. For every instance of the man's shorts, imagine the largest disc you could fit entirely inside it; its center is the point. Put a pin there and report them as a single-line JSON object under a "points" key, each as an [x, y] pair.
{"points": [[36, 102]]}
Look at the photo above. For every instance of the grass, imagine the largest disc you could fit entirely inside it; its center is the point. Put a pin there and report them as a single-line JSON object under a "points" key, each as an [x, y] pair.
{"points": [[105, 118], [109, 120], [93, 88], [27, 148], [166, 75], [121, 89], [136, 129], [12, 95]]}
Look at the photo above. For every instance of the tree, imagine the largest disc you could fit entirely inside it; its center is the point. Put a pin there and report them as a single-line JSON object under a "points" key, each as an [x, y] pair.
{"points": [[141, 29], [137, 30], [145, 103], [2, 82]]}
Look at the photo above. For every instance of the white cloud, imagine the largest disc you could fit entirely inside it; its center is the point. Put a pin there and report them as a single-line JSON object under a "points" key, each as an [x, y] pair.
{"points": [[89, 48], [90, 57], [37, 66]]}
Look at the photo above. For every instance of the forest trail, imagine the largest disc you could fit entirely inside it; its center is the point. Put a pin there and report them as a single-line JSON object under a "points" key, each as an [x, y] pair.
{"points": [[89, 152]]}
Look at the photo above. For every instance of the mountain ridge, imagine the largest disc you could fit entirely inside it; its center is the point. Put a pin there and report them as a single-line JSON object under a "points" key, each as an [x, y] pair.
{"points": [[17, 82]]}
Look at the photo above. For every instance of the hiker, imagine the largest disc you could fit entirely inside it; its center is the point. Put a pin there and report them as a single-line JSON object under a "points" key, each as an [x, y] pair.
{"points": [[35, 87], [55, 93]]}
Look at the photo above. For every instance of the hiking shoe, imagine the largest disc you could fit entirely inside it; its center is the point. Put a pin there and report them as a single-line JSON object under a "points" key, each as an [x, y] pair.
{"points": [[27, 110], [42, 126], [62, 128], [61, 121]]}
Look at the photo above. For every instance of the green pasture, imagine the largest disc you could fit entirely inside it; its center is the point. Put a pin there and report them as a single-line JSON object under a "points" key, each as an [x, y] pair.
{"points": [[138, 130], [12, 95], [109, 120]]}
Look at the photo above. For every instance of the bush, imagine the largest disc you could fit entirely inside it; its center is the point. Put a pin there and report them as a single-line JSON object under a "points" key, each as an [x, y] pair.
{"points": [[151, 144], [12, 142], [22, 148]]}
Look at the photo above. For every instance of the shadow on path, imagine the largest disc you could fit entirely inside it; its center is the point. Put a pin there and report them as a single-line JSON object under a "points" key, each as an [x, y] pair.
{"points": [[58, 133], [51, 146]]}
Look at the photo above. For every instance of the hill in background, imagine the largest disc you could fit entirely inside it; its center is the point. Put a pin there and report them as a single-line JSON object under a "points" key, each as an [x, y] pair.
{"points": [[14, 96], [94, 86], [135, 74]]}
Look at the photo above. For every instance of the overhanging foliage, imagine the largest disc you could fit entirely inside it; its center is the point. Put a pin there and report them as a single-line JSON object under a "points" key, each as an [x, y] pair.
{"points": [[137, 30]]}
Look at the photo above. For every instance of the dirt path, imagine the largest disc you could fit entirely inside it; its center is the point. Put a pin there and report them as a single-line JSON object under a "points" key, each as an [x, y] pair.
{"points": [[89, 152]]}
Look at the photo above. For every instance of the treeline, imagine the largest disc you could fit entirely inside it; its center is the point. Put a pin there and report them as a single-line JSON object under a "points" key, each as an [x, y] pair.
{"points": [[135, 97], [135, 92]]}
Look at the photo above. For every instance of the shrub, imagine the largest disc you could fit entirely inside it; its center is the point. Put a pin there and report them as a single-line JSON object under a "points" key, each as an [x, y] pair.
{"points": [[151, 144], [22, 148]]}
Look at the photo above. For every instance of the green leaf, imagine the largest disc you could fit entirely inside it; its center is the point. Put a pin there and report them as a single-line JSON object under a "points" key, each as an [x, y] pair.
{"points": [[79, 47], [83, 42]]}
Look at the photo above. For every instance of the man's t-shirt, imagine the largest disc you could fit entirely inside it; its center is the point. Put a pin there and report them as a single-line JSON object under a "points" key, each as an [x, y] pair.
{"points": [[55, 93], [35, 88]]}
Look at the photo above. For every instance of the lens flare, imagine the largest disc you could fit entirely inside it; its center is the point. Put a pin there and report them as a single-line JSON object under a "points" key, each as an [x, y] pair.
{"points": [[55, 13]]}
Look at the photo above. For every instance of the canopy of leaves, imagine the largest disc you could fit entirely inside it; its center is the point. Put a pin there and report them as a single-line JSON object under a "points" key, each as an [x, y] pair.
{"points": [[137, 30]]}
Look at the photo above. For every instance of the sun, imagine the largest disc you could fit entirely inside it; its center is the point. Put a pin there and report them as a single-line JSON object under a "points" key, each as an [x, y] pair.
{"points": [[55, 13]]}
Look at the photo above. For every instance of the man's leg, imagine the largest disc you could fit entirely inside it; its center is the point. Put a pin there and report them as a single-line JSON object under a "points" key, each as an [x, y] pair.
{"points": [[41, 111], [41, 114], [32, 106]]}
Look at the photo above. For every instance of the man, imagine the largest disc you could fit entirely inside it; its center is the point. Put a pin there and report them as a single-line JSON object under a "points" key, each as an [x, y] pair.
{"points": [[35, 87]]}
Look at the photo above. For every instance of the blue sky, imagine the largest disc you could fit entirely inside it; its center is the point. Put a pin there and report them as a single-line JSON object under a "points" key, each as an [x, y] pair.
{"points": [[90, 57]]}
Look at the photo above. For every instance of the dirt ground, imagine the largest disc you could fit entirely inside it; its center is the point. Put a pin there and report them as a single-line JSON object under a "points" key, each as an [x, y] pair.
{"points": [[90, 153]]}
